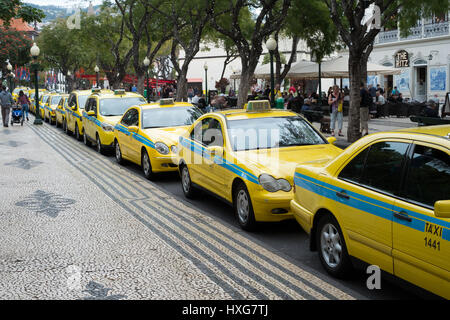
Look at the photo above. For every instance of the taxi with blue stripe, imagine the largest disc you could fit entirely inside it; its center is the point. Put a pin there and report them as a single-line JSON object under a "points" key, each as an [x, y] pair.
{"points": [[60, 110], [103, 110], [147, 135], [33, 100], [247, 158], [43, 104], [50, 107], [73, 123], [384, 201]]}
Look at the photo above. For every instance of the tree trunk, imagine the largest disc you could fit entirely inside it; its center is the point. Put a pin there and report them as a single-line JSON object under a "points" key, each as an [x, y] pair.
{"points": [[357, 67], [141, 85], [182, 85]]}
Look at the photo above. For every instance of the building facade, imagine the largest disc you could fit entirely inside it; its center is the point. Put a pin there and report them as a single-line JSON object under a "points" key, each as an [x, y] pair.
{"points": [[423, 57]]}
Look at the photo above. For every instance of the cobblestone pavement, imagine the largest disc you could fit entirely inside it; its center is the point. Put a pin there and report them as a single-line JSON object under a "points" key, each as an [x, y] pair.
{"points": [[75, 225]]}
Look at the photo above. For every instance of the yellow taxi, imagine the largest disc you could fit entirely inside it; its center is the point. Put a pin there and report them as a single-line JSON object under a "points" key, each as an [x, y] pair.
{"points": [[103, 110], [43, 104], [247, 157], [148, 134], [60, 110], [15, 93], [386, 201], [73, 123], [32, 94], [50, 107]]}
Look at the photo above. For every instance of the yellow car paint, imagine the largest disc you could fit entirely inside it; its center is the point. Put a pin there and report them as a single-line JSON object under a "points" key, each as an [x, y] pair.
{"points": [[220, 173], [392, 229]]}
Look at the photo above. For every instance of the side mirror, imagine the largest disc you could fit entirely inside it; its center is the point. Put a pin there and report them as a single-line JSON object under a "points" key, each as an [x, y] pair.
{"points": [[74, 108], [133, 129], [331, 140], [215, 151], [442, 209], [91, 113]]}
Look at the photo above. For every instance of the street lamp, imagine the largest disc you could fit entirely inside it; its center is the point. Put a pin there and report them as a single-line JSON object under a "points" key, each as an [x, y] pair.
{"points": [[146, 64], [9, 67], [271, 45], [97, 70], [35, 53], [206, 81]]}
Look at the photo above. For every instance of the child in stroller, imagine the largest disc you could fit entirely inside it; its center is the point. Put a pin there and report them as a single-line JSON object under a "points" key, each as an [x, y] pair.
{"points": [[17, 115]]}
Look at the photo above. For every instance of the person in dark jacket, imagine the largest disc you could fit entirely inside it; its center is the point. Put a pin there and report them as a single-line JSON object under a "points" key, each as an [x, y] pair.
{"points": [[6, 101]]}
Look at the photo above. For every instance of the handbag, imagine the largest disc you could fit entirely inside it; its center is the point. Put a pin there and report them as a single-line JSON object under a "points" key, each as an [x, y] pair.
{"points": [[340, 106]]}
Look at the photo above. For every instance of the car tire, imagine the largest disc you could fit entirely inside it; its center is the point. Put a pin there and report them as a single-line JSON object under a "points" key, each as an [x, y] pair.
{"points": [[243, 208], [86, 139], [119, 157], [56, 123], [189, 190], [147, 166], [77, 133], [332, 248], [66, 129], [98, 145]]}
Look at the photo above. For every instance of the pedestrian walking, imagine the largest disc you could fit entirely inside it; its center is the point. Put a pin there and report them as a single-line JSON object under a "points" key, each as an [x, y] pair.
{"points": [[366, 102], [6, 101], [190, 94], [336, 102], [24, 102]]}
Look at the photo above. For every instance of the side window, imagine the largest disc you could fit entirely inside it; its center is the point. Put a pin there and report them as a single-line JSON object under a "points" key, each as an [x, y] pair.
{"points": [[88, 106], [72, 101], [208, 132], [383, 166], [130, 118], [354, 169], [94, 105], [428, 177]]}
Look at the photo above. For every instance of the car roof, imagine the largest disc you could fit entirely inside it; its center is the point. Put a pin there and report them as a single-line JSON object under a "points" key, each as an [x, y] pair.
{"points": [[442, 131], [111, 95], [242, 114]]}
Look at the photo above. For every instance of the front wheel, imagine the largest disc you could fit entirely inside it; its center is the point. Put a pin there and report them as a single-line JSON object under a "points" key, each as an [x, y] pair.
{"points": [[332, 249], [243, 208], [86, 139], [77, 132], [99, 146], [189, 190], [119, 158], [147, 166]]}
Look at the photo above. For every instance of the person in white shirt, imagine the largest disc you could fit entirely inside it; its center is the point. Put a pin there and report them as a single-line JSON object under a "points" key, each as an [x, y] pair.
{"points": [[380, 99], [196, 98]]}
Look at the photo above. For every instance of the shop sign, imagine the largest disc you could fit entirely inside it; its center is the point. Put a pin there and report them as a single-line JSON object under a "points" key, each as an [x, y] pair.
{"points": [[402, 59]]}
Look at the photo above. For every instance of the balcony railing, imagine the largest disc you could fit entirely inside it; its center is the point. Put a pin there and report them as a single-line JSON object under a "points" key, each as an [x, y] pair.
{"points": [[419, 32]]}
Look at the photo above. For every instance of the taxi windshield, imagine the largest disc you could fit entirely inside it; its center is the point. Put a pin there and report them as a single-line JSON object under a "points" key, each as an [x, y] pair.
{"points": [[117, 107], [82, 101], [169, 117], [55, 100], [16, 91], [271, 132]]}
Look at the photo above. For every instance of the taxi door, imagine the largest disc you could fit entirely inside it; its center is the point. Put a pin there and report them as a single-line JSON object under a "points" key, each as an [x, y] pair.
{"points": [[421, 247], [213, 172], [69, 112], [88, 124], [124, 135], [363, 197]]}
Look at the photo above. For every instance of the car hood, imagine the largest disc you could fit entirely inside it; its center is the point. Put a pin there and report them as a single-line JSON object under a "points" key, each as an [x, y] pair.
{"points": [[112, 120], [168, 135], [281, 162]]}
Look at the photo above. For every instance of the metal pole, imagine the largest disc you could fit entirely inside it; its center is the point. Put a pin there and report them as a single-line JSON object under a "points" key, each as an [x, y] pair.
{"points": [[206, 85], [96, 80], [320, 83], [148, 88], [272, 81], [38, 119]]}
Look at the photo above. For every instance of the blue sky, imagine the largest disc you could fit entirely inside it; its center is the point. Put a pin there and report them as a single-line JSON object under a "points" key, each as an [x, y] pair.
{"points": [[64, 3]]}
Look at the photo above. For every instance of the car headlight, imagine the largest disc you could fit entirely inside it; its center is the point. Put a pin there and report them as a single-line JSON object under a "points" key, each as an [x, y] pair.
{"points": [[107, 127], [271, 184], [174, 149], [162, 148]]}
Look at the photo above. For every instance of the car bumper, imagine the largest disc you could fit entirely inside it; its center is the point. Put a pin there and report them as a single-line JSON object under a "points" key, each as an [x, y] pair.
{"points": [[164, 164], [303, 216], [272, 207]]}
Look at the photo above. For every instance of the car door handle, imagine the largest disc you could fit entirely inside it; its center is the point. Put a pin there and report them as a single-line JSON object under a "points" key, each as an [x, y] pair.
{"points": [[343, 195], [402, 215]]}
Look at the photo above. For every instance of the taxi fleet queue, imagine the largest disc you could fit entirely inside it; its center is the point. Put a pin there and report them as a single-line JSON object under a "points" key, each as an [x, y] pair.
{"points": [[384, 200]]}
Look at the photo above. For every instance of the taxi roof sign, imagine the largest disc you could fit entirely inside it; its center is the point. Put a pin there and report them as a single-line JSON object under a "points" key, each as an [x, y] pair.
{"points": [[119, 91], [96, 90], [167, 101], [258, 106]]}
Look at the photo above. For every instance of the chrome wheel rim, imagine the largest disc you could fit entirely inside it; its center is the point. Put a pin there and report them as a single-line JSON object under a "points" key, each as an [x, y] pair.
{"points": [[85, 138], [185, 179], [331, 245], [118, 154], [99, 146], [243, 208], [146, 164]]}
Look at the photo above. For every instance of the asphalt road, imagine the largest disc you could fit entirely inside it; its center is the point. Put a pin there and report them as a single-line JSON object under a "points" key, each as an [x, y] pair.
{"points": [[288, 239]]}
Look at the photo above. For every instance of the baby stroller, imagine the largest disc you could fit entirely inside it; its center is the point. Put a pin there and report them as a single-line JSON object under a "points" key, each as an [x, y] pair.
{"points": [[17, 115]]}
